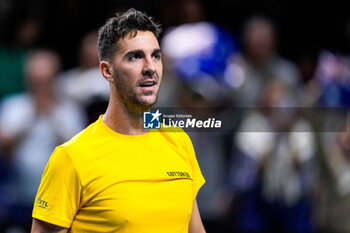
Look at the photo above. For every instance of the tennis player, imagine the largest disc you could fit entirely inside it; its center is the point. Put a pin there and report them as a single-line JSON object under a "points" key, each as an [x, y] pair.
{"points": [[114, 176]]}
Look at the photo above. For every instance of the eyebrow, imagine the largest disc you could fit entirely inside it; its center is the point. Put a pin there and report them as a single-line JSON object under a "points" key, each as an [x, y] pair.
{"points": [[157, 51], [141, 52], [133, 52]]}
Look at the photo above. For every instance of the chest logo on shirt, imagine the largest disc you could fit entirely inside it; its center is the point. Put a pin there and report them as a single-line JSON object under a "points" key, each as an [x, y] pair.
{"points": [[42, 204], [178, 174]]}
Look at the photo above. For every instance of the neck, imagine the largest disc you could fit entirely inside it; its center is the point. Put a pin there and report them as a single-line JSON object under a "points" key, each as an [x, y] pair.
{"points": [[123, 119]]}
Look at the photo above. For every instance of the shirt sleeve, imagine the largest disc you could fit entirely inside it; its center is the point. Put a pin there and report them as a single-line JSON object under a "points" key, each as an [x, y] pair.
{"points": [[58, 197], [198, 179]]}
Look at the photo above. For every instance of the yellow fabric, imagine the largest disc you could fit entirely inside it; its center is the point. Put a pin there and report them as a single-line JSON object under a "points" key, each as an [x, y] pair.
{"points": [[102, 181]]}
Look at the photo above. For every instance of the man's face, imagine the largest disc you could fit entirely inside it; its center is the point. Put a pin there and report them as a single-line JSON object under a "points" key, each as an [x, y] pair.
{"points": [[137, 69]]}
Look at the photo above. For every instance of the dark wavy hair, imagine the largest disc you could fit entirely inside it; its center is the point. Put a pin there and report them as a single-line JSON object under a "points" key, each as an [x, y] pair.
{"points": [[119, 26]]}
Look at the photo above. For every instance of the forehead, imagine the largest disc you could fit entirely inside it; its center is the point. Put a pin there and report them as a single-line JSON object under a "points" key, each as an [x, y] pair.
{"points": [[139, 40]]}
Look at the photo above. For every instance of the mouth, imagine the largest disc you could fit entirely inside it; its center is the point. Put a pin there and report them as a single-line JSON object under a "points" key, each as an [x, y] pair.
{"points": [[148, 84]]}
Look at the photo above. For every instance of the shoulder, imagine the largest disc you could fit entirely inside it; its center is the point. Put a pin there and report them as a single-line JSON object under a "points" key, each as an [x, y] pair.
{"points": [[83, 142], [173, 131], [170, 129], [82, 137], [79, 149], [176, 136]]}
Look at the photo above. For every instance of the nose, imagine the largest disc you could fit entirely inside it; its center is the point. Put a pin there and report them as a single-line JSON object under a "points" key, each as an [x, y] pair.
{"points": [[149, 67]]}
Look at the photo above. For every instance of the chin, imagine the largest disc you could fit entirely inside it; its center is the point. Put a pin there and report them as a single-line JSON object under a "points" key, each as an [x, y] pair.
{"points": [[149, 101]]}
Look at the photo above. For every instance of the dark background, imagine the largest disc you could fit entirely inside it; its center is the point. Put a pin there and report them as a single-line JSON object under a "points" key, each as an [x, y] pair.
{"points": [[304, 27]]}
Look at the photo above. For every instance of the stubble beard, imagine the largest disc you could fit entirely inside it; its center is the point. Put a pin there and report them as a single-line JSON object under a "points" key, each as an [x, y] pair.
{"points": [[130, 100]]}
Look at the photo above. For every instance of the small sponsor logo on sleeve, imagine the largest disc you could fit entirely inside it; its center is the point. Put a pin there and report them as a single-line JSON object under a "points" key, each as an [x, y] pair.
{"points": [[42, 204]]}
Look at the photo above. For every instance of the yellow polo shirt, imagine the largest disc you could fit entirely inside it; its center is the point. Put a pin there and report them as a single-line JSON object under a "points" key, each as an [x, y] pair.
{"points": [[102, 181]]}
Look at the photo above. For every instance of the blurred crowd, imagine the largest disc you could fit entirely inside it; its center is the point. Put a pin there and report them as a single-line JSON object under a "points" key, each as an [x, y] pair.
{"points": [[277, 171]]}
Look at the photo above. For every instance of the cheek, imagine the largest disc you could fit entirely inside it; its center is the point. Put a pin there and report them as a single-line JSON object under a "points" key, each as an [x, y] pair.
{"points": [[160, 70], [126, 76]]}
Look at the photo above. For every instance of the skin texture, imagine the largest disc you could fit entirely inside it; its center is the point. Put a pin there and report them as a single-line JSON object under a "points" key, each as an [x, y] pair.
{"points": [[44, 227], [196, 225], [136, 62]]}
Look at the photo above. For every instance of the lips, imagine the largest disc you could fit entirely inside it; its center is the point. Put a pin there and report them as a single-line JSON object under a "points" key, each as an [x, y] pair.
{"points": [[148, 83]]}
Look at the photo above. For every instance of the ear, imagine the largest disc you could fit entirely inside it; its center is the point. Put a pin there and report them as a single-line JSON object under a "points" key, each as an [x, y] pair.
{"points": [[106, 70]]}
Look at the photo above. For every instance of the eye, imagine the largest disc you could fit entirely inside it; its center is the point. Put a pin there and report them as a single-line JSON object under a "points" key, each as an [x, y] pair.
{"points": [[157, 56], [135, 56]]}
